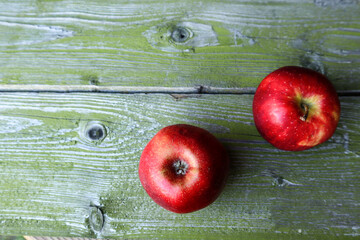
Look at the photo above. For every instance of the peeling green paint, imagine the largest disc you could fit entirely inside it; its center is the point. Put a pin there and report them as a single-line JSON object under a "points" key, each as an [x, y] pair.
{"points": [[132, 45]]}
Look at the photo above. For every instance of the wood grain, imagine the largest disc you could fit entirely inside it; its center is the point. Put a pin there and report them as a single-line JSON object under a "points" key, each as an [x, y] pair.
{"points": [[55, 181], [232, 43]]}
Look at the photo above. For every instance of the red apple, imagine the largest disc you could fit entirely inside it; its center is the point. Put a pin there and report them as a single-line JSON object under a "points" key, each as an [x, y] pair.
{"points": [[183, 168], [296, 108]]}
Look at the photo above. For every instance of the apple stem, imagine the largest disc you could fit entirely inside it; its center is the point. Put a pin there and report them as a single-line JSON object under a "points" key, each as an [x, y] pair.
{"points": [[180, 167], [305, 107]]}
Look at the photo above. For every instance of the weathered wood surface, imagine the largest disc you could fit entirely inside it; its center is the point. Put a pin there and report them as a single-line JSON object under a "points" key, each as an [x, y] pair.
{"points": [[129, 43], [56, 181], [53, 176]]}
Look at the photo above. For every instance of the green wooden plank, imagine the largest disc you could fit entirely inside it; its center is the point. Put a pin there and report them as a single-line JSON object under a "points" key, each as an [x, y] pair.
{"points": [[232, 43], [12, 238], [40, 238], [55, 181]]}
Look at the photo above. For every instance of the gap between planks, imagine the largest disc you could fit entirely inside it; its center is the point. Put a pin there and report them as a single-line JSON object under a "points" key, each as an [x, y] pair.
{"points": [[199, 89], [56, 238], [124, 89]]}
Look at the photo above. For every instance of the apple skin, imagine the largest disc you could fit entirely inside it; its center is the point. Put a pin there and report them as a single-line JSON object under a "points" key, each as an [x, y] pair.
{"points": [[296, 108], [183, 168]]}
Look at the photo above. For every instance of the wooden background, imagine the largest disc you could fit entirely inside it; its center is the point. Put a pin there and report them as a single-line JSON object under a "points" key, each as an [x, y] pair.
{"points": [[69, 67]]}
